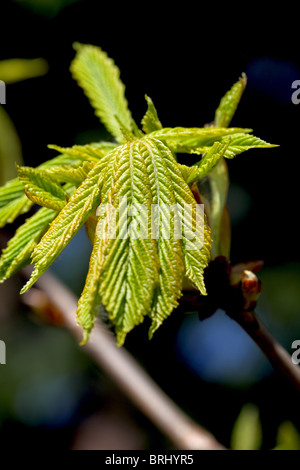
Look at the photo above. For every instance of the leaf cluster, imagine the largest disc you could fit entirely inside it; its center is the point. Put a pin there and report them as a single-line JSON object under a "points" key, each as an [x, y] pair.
{"points": [[132, 276]]}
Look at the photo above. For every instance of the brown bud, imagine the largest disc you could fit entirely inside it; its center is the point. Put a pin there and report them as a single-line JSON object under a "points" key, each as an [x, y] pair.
{"points": [[251, 289]]}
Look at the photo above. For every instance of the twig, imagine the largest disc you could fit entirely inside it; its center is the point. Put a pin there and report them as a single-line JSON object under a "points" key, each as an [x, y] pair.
{"points": [[235, 289], [277, 355], [132, 379]]}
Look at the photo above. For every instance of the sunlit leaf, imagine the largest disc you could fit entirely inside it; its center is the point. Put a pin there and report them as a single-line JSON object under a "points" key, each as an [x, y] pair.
{"points": [[185, 140], [229, 103], [70, 219], [18, 252], [194, 173], [67, 174], [129, 267], [40, 189], [99, 77], [91, 152], [150, 121]]}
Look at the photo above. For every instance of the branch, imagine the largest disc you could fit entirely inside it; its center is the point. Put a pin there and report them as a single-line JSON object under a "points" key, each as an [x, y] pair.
{"points": [[123, 369], [277, 355], [235, 289]]}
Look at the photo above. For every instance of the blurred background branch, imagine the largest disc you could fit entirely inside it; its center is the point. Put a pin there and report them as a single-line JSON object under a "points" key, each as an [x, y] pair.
{"points": [[125, 371]]}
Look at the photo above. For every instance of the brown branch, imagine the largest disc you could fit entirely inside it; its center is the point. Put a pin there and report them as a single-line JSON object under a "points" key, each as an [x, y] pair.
{"points": [[124, 370], [236, 289], [277, 355]]}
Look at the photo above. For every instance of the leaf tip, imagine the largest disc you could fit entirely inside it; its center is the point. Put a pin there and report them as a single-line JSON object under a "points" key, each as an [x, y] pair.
{"points": [[77, 46], [86, 336], [26, 287], [121, 336], [243, 80]]}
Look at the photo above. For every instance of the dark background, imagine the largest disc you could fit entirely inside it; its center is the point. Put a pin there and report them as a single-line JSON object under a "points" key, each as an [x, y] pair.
{"points": [[185, 58]]}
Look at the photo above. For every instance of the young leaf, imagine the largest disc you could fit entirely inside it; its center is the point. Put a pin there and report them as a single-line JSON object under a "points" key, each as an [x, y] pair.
{"points": [[185, 140], [240, 143], [229, 103], [40, 189], [10, 211], [196, 238], [130, 266], [150, 121], [70, 219], [92, 152], [12, 190], [67, 174], [99, 77], [134, 275], [13, 201], [193, 174], [18, 252], [90, 299], [169, 247]]}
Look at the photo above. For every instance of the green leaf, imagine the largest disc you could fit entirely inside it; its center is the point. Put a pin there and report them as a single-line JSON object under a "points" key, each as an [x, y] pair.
{"points": [[242, 142], [247, 431], [211, 176], [41, 190], [66, 174], [138, 263], [90, 299], [10, 211], [194, 173], [18, 252], [12, 190], [229, 103], [130, 266], [215, 206], [99, 77], [92, 152], [169, 248], [16, 70], [10, 147], [185, 140], [238, 143], [150, 121], [123, 270], [13, 201], [288, 437], [70, 219], [195, 237]]}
